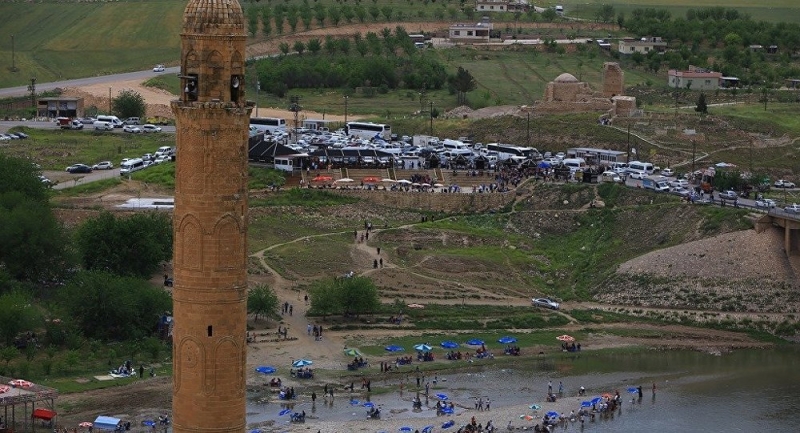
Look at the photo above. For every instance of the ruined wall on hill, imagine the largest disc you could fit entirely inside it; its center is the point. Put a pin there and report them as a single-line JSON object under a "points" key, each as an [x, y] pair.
{"points": [[435, 202]]}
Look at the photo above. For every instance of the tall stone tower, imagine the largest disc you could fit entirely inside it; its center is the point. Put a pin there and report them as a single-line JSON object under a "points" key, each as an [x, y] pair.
{"points": [[613, 80], [210, 222]]}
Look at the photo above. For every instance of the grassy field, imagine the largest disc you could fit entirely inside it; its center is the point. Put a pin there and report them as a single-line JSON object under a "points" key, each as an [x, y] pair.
{"points": [[767, 10]]}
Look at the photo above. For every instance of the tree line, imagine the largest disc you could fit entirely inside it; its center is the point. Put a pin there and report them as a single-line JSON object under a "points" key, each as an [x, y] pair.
{"points": [[369, 61], [718, 38]]}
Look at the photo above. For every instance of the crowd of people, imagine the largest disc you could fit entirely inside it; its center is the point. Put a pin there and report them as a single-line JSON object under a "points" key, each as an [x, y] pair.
{"points": [[356, 363], [425, 356]]}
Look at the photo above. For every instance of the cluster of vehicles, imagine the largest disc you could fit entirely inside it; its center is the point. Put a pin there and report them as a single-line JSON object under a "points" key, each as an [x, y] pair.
{"points": [[105, 122], [8, 136], [128, 165]]}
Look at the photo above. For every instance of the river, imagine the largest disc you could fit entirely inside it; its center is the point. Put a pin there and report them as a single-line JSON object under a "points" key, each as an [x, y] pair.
{"points": [[742, 391]]}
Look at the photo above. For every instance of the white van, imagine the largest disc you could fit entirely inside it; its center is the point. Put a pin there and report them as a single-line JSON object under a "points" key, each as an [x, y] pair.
{"points": [[113, 120], [640, 167], [102, 126], [574, 164], [164, 150], [130, 166]]}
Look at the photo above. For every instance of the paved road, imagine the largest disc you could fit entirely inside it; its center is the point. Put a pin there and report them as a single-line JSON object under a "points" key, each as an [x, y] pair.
{"points": [[6, 125], [40, 87], [66, 180]]}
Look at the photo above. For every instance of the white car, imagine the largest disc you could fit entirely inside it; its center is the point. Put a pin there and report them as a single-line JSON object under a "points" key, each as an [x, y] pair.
{"points": [[783, 184], [637, 175], [159, 68], [667, 172], [132, 129], [161, 158], [610, 176], [147, 127], [792, 208], [103, 165], [765, 202], [679, 183], [545, 303]]}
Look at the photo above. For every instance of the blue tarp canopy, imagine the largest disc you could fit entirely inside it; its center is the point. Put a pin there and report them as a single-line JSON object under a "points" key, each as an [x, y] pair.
{"points": [[106, 423]]}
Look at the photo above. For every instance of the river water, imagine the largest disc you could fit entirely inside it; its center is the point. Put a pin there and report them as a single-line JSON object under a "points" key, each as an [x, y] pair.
{"points": [[742, 391]]}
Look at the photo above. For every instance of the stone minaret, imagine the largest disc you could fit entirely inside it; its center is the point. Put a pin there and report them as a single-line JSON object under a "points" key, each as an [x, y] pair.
{"points": [[210, 222]]}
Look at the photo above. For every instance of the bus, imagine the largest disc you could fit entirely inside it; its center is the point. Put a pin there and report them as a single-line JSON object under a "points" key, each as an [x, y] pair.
{"points": [[269, 124], [130, 166], [508, 151], [369, 130]]}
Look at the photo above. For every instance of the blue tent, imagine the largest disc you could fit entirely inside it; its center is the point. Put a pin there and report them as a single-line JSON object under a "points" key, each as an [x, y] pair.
{"points": [[266, 369], [507, 340], [449, 344], [394, 348], [474, 342], [448, 424], [106, 423], [543, 164]]}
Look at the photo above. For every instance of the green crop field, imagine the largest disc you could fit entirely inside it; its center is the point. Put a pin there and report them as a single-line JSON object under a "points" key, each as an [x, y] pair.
{"points": [[766, 10], [63, 40]]}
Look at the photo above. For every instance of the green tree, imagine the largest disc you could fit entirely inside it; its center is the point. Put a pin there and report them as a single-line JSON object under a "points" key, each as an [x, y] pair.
{"points": [[701, 107], [361, 13], [621, 20], [262, 301], [374, 12], [344, 45], [605, 14], [637, 58], [347, 13], [128, 103], [292, 18], [8, 353], [306, 15], [314, 45], [463, 82], [299, 46], [279, 17], [110, 307], [320, 14], [387, 12], [17, 315], [20, 175], [284, 47], [266, 21], [345, 296], [335, 14], [549, 15], [131, 246], [252, 21], [362, 47], [330, 45]]}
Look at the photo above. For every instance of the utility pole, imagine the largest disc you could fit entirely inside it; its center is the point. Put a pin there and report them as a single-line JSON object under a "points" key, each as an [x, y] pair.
{"points": [[694, 149], [431, 113], [529, 128], [258, 92], [32, 89], [628, 153], [345, 109], [13, 56], [109, 99], [295, 107]]}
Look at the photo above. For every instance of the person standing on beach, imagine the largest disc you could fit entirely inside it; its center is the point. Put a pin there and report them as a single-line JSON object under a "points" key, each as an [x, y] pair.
{"points": [[480, 404], [476, 403], [560, 389], [549, 387], [487, 404]]}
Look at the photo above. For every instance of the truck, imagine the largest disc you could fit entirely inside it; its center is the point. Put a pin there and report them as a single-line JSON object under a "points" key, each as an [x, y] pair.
{"points": [[69, 123], [656, 183]]}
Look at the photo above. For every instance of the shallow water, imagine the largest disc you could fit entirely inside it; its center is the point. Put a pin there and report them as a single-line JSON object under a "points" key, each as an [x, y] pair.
{"points": [[748, 390]]}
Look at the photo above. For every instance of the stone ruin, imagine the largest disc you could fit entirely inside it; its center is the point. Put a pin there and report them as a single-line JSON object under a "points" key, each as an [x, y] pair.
{"points": [[566, 94]]}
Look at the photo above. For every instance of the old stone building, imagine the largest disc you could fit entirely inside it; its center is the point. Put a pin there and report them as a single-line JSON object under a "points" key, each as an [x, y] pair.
{"points": [[566, 94], [210, 222]]}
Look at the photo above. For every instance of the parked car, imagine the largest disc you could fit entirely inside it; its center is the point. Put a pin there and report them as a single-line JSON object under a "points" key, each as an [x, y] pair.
{"points": [[667, 172], [681, 191], [79, 168], [103, 165], [161, 158], [679, 183], [783, 184], [792, 208], [131, 121], [87, 120], [132, 129], [148, 127], [4, 137], [765, 203], [147, 157], [22, 135], [610, 176], [545, 303], [159, 68], [637, 175], [728, 195], [100, 125], [45, 180]]}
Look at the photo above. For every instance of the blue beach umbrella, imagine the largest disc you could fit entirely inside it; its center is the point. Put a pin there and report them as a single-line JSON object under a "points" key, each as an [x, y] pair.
{"points": [[442, 396], [427, 429], [394, 348], [543, 164], [535, 407], [406, 428], [596, 400], [551, 414], [354, 402], [255, 431], [475, 342], [447, 410], [449, 344], [369, 404], [448, 424], [284, 412], [586, 404], [507, 340], [266, 369], [148, 422], [300, 363], [633, 390], [423, 348]]}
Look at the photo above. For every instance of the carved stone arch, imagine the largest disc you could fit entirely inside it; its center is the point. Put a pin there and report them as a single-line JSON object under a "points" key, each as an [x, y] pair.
{"points": [[191, 360], [189, 251], [237, 63], [227, 235], [191, 62], [228, 360]]}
